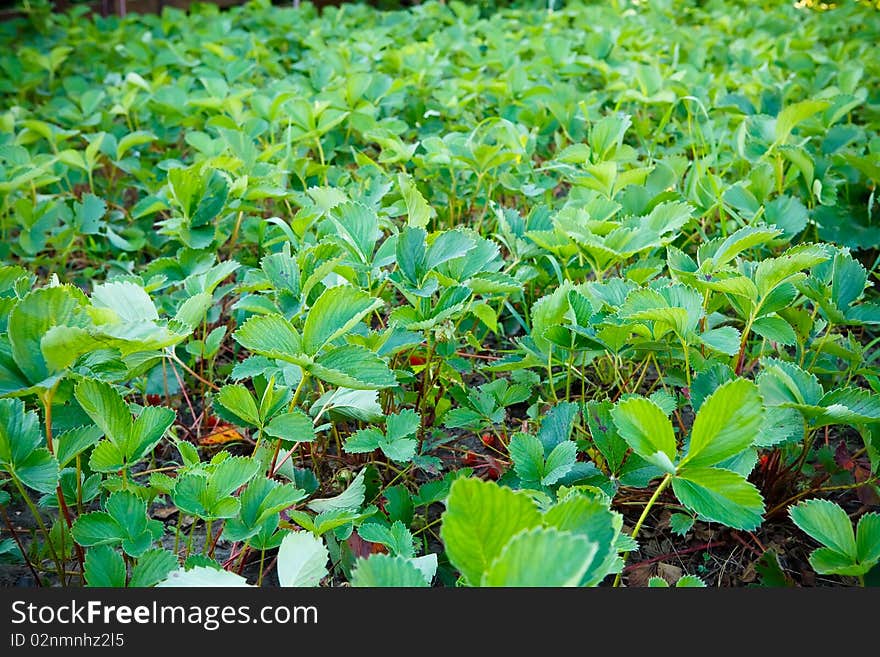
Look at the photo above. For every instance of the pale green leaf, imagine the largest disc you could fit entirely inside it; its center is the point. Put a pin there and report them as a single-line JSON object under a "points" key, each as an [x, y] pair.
{"points": [[480, 519], [302, 560], [541, 557], [727, 423], [720, 496], [647, 430]]}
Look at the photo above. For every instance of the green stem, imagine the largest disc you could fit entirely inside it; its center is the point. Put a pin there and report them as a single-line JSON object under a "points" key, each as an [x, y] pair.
{"points": [[208, 529], [663, 484], [687, 363], [262, 561], [46, 400], [189, 540], [296, 393], [741, 356], [79, 488], [30, 503], [293, 403]]}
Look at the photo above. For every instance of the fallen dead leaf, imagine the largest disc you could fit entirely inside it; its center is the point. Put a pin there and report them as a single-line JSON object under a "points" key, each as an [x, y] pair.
{"points": [[164, 512], [669, 572], [223, 435]]}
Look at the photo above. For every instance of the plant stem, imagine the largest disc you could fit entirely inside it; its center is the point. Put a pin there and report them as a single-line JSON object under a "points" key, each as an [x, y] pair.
{"points": [[46, 399], [193, 373], [262, 562], [18, 542], [30, 503], [635, 532], [189, 540], [208, 541]]}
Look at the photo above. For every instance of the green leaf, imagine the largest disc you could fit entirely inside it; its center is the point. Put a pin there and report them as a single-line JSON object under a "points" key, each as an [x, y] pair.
{"points": [[383, 570], [827, 561], [541, 557], [31, 319], [130, 302], [358, 226], [191, 312], [724, 340], [557, 425], [527, 454], [363, 441], [590, 517], [269, 335], [410, 251], [124, 522], [132, 139], [151, 568], [294, 426], [773, 272], [402, 424], [208, 495], [726, 424], [418, 211], [479, 520], [559, 463], [21, 452], [720, 496], [647, 430], [147, 430], [690, 582], [231, 474], [781, 382], [75, 441], [486, 314], [351, 498], [745, 238], [261, 499], [89, 213], [775, 329], [604, 433], [401, 450], [302, 560], [355, 367], [868, 539], [681, 523], [446, 246], [104, 568], [203, 577], [238, 400], [107, 457], [828, 523], [335, 313], [106, 408], [794, 114], [398, 539]]}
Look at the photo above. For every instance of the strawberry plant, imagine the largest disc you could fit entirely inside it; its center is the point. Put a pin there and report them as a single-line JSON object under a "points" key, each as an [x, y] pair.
{"points": [[480, 294]]}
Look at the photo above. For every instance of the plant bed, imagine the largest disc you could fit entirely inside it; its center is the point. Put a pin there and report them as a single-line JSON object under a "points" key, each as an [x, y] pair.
{"points": [[440, 297]]}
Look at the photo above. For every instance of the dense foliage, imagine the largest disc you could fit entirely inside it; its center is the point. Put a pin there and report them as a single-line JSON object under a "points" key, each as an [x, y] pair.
{"points": [[434, 297]]}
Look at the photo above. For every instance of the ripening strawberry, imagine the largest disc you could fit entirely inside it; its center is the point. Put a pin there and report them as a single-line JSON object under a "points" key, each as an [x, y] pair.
{"points": [[487, 439]]}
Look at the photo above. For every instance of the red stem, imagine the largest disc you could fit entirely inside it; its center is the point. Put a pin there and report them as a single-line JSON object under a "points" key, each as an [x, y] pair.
{"points": [[670, 555]]}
